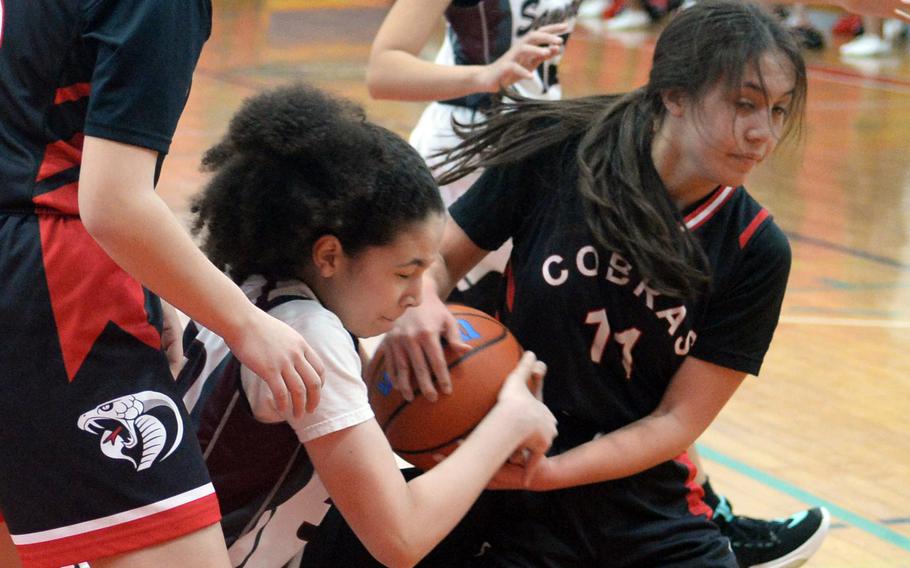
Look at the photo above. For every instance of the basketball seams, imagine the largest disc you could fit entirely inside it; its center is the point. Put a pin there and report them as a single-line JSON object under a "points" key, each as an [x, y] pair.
{"points": [[464, 411], [461, 359], [477, 349]]}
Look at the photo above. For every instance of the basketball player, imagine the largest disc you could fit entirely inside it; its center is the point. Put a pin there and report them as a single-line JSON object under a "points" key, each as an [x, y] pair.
{"points": [[644, 275], [96, 458], [487, 47], [329, 222]]}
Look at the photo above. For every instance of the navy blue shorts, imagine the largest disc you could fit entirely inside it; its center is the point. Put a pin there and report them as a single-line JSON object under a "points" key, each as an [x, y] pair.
{"points": [[96, 456]]}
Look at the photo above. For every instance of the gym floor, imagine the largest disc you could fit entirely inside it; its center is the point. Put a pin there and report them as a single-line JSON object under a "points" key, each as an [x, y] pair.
{"points": [[828, 422]]}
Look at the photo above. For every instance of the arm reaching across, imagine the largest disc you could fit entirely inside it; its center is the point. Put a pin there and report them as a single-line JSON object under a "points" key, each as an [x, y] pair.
{"points": [[122, 212], [696, 395], [396, 71], [401, 522]]}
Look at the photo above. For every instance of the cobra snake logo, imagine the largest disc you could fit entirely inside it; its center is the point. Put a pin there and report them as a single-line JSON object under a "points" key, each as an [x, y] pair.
{"points": [[123, 423]]}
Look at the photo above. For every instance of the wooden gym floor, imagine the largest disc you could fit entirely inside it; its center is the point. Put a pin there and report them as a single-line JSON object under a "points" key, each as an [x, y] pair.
{"points": [[828, 422]]}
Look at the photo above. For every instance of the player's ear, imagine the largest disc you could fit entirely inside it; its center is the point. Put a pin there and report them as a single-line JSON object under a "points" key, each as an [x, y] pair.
{"points": [[327, 255], [674, 101]]}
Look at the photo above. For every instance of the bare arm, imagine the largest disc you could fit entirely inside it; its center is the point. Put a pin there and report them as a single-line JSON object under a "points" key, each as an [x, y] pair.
{"points": [[401, 522], [121, 211], [695, 396], [396, 71]]}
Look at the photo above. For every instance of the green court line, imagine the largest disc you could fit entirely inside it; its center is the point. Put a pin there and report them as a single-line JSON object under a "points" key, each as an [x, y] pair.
{"points": [[858, 521]]}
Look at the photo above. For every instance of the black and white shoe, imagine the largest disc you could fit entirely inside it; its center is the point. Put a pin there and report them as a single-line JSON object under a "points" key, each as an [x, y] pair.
{"points": [[779, 543]]}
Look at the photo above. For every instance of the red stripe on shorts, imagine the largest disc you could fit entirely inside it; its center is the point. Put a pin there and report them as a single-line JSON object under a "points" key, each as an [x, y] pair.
{"points": [[126, 537], [695, 495]]}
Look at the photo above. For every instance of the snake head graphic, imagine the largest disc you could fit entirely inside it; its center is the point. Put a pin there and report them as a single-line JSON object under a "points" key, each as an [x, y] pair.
{"points": [[124, 423]]}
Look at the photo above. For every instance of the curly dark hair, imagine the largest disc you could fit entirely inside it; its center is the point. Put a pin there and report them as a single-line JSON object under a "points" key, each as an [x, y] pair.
{"points": [[297, 164]]}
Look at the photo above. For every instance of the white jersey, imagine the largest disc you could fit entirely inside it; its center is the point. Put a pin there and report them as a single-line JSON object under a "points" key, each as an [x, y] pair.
{"points": [[269, 492]]}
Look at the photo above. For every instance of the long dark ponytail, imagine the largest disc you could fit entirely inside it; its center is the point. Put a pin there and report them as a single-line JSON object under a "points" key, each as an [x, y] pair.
{"points": [[627, 207]]}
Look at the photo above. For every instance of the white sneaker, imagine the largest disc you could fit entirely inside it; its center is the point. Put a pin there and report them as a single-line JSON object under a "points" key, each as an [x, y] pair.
{"points": [[866, 45], [593, 8], [892, 30], [629, 19]]}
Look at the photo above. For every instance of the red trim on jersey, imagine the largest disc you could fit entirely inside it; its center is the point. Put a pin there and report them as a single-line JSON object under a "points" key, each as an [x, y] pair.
{"points": [[695, 495], [753, 226], [133, 535], [64, 199], [72, 93], [61, 155], [707, 209], [87, 289]]}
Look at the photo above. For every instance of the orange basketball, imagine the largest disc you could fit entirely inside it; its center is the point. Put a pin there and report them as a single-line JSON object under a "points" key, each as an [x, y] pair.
{"points": [[424, 432]]}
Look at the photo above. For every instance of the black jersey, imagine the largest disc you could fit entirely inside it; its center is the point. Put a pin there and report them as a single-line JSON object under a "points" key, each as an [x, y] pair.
{"points": [[115, 69], [611, 343], [84, 378]]}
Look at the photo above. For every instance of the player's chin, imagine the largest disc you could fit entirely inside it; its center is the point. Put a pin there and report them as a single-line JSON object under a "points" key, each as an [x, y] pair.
{"points": [[377, 327], [739, 168]]}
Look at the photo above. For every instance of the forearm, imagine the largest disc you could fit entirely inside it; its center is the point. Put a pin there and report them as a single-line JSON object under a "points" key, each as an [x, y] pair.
{"points": [[400, 522], [624, 452], [696, 394], [396, 74], [440, 279], [458, 255], [140, 233]]}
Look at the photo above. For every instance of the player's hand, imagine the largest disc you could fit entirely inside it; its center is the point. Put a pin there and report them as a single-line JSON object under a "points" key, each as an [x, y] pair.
{"points": [[412, 350], [515, 475], [283, 359], [523, 58], [523, 387], [171, 332]]}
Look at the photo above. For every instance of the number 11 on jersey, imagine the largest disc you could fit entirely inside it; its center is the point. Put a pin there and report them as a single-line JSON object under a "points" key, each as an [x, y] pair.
{"points": [[627, 339]]}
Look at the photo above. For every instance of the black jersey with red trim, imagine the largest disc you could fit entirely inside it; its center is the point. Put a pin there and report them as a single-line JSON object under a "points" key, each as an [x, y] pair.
{"points": [[611, 343], [114, 69]]}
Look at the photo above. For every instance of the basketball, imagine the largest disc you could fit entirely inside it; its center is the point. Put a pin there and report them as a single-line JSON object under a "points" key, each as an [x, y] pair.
{"points": [[424, 432]]}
